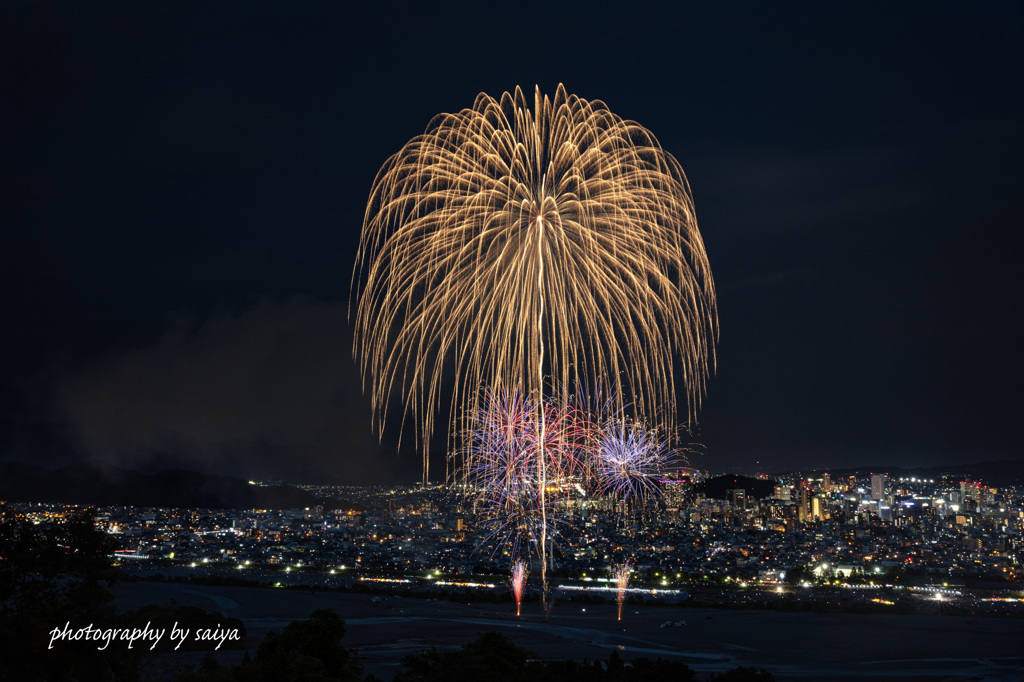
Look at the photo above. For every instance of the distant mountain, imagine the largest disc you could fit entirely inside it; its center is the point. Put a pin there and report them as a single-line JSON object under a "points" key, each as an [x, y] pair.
{"points": [[103, 484], [995, 474], [715, 488]]}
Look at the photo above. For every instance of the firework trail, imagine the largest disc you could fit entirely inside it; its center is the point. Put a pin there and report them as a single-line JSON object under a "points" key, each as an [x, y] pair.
{"points": [[520, 245], [517, 582], [621, 574]]}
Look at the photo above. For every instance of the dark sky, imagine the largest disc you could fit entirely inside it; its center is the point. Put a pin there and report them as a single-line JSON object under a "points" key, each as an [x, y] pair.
{"points": [[182, 188]]}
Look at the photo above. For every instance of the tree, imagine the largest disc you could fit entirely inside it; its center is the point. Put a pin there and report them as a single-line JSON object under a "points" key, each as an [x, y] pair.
{"points": [[491, 657], [50, 575], [495, 658], [743, 674], [306, 651], [795, 574], [53, 566]]}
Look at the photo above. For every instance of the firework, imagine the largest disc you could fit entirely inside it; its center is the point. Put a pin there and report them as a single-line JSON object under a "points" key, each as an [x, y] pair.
{"points": [[628, 460], [583, 454], [517, 582], [506, 440], [516, 245], [621, 574]]}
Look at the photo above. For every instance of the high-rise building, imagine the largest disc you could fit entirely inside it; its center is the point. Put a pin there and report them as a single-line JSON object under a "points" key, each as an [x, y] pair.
{"points": [[877, 486], [804, 503], [738, 497]]}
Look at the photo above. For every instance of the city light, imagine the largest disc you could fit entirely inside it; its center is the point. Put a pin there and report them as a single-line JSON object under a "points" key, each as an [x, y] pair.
{"points": [[417, 539]]}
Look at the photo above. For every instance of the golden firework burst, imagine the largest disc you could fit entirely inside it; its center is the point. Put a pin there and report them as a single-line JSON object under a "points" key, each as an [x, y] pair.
{"points": [[526, 248]]}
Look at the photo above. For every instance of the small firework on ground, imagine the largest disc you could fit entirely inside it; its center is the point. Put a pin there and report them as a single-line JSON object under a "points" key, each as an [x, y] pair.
{"points": [[621, 574], [517, 582]]}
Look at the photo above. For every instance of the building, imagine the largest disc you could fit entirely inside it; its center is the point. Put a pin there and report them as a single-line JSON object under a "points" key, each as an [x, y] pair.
{"points": [[877, 486], [738, 497]]}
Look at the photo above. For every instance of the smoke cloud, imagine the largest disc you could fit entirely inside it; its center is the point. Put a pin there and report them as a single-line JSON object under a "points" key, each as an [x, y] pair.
{"points": [[271, 392]]}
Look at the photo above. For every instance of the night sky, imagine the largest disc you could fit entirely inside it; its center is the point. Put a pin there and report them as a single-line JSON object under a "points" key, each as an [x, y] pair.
{"points": [[182, 189]]}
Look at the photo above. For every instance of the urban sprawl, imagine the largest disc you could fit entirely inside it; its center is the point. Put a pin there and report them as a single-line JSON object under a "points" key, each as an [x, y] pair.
{"points": [[869, 541]]}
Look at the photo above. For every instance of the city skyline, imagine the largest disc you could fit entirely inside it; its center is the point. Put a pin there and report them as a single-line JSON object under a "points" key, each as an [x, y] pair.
{"points": [[880, 566], [186, 189]]}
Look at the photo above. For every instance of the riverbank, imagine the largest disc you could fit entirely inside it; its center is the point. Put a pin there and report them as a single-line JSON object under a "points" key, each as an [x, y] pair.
{"points": [[793, 646]]}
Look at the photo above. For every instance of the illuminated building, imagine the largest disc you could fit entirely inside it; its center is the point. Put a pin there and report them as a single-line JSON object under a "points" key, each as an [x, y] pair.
{"points": [[738, 497], [878, 486]]}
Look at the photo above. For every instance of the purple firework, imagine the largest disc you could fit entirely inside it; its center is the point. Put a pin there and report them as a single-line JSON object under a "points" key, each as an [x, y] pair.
{"points": [[502, 465], [629, 458]]}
